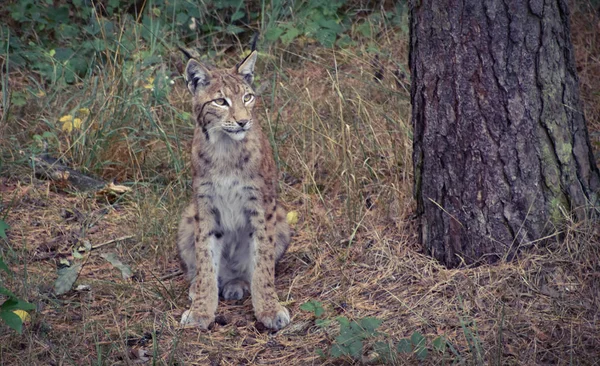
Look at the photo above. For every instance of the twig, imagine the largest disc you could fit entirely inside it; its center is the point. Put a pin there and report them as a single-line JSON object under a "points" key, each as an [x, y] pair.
{"points": [[67, 253], [171, 275], [112, 241]]}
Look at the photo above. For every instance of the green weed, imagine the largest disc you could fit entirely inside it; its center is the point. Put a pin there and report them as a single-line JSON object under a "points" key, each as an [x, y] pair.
{"points": [[354, 334], [13, 310]]}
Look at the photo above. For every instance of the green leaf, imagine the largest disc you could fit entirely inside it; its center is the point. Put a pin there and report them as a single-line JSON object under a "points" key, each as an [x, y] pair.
{"points": [[364, 29], [404, 346], [370, 324], [63, 53], [237, 15], [16, 304], [417, 339], [58, 15], [234, 29], [343, 321], [439, 344], [6, 292], [24, 305], [384, 350], [69, 74], [291, 34], [12, 320], [79, 65], [18, 99], [322, 323], [345, 41], [3, 227], [330, 24], [66, 278], [345, 338], [116, 262], [319, 311], [151, 60], [4, 267], [336, 351], [421, 353], [314, 307], [355, 348], [182, 18], [272, 34], [326, 37]]}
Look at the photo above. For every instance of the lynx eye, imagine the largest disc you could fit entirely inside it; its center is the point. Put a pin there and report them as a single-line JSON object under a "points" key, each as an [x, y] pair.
{"points": [[220, 101], [248, 98]]}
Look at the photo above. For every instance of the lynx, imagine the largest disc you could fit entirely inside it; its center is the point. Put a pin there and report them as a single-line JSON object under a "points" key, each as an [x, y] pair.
{"points": [[234, 231]]}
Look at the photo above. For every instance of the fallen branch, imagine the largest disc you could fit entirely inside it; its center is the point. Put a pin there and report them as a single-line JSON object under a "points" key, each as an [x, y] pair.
{"points": [[50, 168]]}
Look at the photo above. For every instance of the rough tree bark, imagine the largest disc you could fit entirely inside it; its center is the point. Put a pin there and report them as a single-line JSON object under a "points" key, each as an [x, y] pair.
{"points": [[501, 150]]}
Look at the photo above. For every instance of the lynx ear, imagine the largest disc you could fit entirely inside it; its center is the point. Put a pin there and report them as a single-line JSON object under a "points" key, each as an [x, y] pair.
{"points": [[246, 67], [197, 76]]}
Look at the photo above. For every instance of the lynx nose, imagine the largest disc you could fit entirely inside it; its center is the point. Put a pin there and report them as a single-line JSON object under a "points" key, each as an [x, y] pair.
{"points": [[243, 122]]}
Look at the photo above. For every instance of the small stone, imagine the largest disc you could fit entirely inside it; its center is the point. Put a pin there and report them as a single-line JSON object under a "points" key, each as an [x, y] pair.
{"points": [[221, 320]]}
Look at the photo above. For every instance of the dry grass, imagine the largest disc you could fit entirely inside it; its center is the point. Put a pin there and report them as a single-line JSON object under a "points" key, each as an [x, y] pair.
{"points": [[343, 143]]}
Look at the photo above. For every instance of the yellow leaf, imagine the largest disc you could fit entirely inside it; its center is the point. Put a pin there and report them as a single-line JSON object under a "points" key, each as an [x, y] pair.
{"points": [[25, 317], [84, 111], [40, 94], [150, 84], [292, 217], [116, 188], [77, 123], [66, 118], [67, 126]]}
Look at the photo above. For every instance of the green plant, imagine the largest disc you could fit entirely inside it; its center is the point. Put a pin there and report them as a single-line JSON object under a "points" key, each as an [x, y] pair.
{"points": [[3, 227], [13, 310], [354, 333], [314, 19], [417, 345]]}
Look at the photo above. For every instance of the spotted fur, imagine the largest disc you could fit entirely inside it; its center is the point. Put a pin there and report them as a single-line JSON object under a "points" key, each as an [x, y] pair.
{"points": [[234, 231]]}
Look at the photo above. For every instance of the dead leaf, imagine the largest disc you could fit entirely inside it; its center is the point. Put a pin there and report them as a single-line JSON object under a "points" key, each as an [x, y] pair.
{"points": [[116, 262], [112, 190], [66, 278]]}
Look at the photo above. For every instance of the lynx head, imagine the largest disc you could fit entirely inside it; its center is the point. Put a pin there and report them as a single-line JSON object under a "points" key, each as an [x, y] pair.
{"points": [[223, 98]]}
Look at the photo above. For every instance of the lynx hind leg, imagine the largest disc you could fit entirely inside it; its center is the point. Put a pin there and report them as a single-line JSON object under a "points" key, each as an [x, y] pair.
{"points": [[186, 246], [235, 289], [282, 233]]}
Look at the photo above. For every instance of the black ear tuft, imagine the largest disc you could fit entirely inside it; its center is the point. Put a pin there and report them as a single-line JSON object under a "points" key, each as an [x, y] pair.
{"points": [[187, 55], [246, 67], [254, 41], [196, 75]]}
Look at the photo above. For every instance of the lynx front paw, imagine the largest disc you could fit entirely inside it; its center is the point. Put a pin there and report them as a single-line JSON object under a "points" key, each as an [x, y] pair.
{"points": [[274, 319], [196, 319]]}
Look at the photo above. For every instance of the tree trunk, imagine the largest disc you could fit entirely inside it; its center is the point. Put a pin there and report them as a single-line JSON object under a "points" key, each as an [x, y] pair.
{"points": [[501, 150]]}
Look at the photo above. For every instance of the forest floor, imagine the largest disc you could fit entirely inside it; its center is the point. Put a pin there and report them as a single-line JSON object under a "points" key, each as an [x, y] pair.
{"points": [[343, 144]]}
